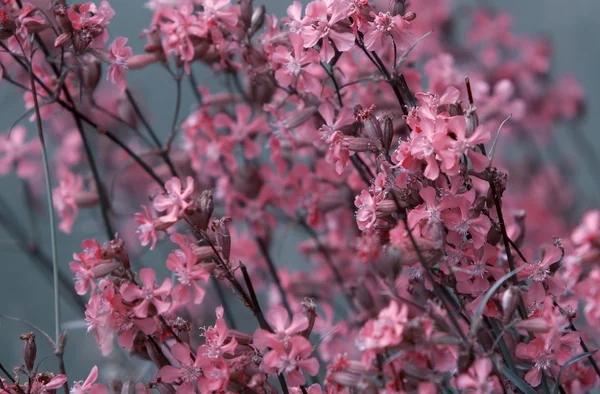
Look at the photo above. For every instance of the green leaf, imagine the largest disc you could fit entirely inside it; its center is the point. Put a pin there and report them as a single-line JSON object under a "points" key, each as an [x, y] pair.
{"points": [[488, 295], [409, 50], [515, 379], [571, 361]]}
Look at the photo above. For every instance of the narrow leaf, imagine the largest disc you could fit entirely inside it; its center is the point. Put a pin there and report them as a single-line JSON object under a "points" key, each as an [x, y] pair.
{"points": [[477, 316], [409, 50], [571, 361], [515, 379]]}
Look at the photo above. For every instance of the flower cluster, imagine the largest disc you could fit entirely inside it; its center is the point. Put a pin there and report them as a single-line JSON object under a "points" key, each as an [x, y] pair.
{"points": [[433, 263]]}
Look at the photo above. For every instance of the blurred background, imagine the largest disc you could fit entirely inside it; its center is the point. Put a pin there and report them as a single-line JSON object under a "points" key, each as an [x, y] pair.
{"points": [[570, 26]]}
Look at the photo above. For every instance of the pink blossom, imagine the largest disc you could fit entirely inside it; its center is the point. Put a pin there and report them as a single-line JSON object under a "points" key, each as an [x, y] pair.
{"points": [[118, 55], [294, 65], [16, 153], [189, 370], [283, 329], [541, 276], [291, 360], [478, 380], [215, 338], [386, 25], [184, 263], [89, 386], [149, 293], [319, 26], [176, 199], [145, 229]]}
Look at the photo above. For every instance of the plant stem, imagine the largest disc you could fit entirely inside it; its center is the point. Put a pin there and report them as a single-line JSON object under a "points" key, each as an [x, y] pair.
{"points": [[38, 119]]}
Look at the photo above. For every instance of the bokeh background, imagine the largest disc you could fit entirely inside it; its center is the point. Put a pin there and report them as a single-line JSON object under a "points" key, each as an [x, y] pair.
{"points": [[571, 27]]}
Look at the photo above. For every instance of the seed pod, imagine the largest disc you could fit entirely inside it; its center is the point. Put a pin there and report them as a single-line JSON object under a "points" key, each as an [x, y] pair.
{"points": [[309, 307], [201, 210], [155, 353], [29, 349], [398, 7], [299, 117], [360, 144], [388, 133], [246, 12], [222, 235]]}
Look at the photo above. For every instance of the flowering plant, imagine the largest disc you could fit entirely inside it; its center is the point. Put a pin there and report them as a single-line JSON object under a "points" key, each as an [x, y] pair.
{"points": [[432, 263]]}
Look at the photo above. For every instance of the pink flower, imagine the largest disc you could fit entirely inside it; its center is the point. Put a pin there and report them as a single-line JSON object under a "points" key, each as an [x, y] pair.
{"points": [[15, 152], [291, 360], [386, 25], [478, 380], [428, 212], [175, 201], [386, 330], [145, 229], [541, 276], [184, 263], [189, 371], [149, 293], [89, 387], [244, 130], [534, 351], [366, 214], [462, 219], [118, 55], [283, 329], [69, 196], [294, 65], [215, 337], [318, 26]]}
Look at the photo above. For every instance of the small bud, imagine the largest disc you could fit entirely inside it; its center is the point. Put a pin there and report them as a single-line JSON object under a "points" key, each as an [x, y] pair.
{"points": [[258, 19], [8, 26], [386, 207], [101, 270], [510, 302], [535, 325], [165, 388], [155, 353], [181, 327], [398, 7], [299, 117], [409, 16], [29, 349], [472, 120], [115, 249], [222, 235], [246, 11], [309, 307], [201, 210], [360, 144], [137, 62], [388, 133]]}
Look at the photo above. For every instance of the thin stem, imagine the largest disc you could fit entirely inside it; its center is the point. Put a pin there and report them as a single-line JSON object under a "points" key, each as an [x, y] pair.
{"points": [[38, 119], [173, 131], [195, 90], [255, 306], [10, 377], [273, 271], [226, 307]]}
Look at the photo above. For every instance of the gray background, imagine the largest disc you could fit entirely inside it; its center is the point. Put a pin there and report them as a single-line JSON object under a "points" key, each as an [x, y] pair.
{"points": [[25, 293]]}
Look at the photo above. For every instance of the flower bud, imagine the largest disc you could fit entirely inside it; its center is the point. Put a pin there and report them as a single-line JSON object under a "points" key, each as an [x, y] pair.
{"points": [[155, 353], [261, 90], [386, 207], [409, 16], [201, 210], [388, 133], [222, 236], [101, 270], [535, 325], [165, 388], [115, 249], [299, 117], [8, 25], [81, 40], [510, 302], [360, 144], [398, 7], [137, 62], [472, 120], [204, 252], [258, 20], [241, 337], [181, 327], [246, 11], [309, 307], [29, 349]]}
